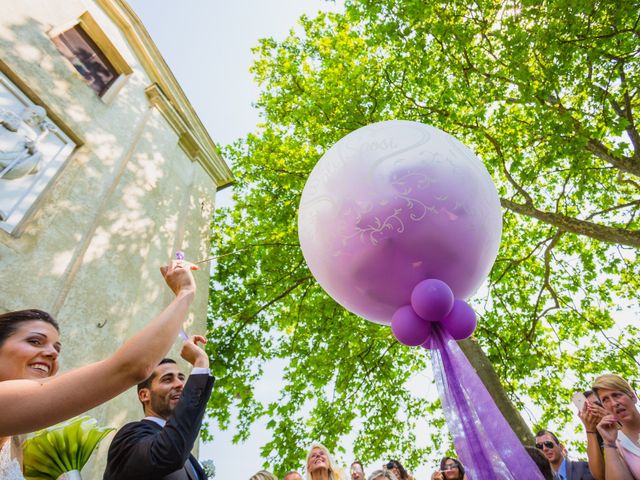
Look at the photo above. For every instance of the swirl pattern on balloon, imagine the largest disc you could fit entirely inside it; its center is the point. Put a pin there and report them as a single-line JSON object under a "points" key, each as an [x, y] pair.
{"points": [[392, 204]]}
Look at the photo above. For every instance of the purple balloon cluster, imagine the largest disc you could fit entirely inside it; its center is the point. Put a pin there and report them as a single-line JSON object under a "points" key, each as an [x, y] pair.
{"points": [[432, 301]]}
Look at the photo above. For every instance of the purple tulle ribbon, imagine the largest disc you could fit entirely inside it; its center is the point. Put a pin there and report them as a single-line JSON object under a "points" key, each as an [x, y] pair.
{"points": [[484, 441]]}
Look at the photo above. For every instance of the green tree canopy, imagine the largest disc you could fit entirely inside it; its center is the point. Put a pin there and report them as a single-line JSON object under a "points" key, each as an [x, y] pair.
{"points": [[546, 94]]}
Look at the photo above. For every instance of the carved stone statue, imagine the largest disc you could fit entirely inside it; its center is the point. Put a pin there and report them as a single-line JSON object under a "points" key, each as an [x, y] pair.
{"points": [[19, 155]]}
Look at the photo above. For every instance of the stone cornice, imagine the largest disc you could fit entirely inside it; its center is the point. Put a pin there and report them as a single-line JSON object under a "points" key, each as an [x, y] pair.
{"points": [[166, 94]]}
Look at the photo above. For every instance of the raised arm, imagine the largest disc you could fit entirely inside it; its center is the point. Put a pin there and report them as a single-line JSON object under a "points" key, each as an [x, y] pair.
{"points": [[29, 405], [140, 451], [615, 466], [590, 415]]}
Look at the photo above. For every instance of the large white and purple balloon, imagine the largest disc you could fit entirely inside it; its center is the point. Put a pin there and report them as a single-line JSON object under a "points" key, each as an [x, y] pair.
{"points": [[392, 204]]}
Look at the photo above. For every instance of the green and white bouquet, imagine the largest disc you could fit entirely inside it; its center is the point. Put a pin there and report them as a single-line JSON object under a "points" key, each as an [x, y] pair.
{"points": [[61, 451]]}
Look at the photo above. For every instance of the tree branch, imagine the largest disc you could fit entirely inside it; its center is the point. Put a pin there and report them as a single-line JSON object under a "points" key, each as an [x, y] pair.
{"points": [[596, 147], [579, 227], [546, 285], [631, 128], [245, 321], [516, 185]]}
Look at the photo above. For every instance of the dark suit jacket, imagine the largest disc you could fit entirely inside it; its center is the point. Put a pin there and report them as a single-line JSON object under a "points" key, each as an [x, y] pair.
{"points": [[578, 470], [144, 450]]}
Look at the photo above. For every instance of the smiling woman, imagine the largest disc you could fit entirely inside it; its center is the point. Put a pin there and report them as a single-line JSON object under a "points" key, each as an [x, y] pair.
{"points": [[32, 397], [450, 469], [29, 348], [320, 464], [29, 345]]}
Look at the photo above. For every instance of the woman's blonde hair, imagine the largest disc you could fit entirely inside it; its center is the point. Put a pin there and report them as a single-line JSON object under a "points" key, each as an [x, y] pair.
{"points": [[264, 475], [384, 474], [611, 381], [334, 470]]}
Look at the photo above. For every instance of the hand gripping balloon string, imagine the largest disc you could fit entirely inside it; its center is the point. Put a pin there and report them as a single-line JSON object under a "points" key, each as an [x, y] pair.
{"points": [[182, 333]]}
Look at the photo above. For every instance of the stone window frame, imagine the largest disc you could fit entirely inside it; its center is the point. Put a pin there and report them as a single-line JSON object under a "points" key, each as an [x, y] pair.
{"points": [[13, 221], [93, 30]]}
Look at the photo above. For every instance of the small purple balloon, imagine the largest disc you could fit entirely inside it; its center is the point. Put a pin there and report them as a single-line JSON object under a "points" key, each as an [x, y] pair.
{"points": [[461, 321], [428, 343], [408, 328], [432, 299]]}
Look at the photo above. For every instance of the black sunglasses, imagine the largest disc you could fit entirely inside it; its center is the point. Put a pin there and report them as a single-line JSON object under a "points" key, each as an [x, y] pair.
{"points": [[391, 465], [546, 443]]}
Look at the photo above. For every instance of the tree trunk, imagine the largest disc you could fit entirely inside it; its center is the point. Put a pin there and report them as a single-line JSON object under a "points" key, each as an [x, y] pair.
{"points": [[488, 375]]}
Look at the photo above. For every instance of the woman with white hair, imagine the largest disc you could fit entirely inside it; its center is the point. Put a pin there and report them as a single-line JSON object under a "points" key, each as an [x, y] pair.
{"points": [[382, 475], [263, 475], [320, 464]]}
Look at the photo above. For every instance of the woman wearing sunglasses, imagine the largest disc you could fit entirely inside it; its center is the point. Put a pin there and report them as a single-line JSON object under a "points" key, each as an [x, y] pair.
{"points": [[397, 469], [450, 469], [620, 429]]}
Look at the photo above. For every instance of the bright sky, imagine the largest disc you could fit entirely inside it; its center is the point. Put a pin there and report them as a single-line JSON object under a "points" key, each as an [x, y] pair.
{"points": [[207, 44]]}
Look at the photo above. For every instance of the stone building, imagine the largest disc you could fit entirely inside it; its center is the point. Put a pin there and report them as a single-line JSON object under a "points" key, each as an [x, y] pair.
{"points": [[105, 171]]}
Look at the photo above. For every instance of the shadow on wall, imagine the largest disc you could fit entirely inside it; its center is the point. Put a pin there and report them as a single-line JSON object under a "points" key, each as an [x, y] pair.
{"points": [[94, 239]]}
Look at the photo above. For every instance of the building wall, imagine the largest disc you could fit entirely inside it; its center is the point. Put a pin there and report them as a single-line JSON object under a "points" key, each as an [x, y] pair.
{"points": [[125, 200]]}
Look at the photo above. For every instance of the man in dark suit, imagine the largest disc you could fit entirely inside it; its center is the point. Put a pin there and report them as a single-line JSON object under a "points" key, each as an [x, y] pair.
{"points": [[158, 447], [563, 468]]}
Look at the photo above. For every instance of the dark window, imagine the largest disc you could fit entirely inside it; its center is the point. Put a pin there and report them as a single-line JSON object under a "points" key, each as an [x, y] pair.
{"points": [[83, 53]]}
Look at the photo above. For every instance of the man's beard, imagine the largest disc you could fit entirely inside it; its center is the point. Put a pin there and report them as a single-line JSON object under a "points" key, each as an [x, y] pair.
{"points": [[162, 406]]}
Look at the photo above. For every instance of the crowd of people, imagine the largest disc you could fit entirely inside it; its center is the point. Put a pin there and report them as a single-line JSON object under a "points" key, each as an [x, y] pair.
{"points": [[611, 422], [158, 446], [321, 466]]}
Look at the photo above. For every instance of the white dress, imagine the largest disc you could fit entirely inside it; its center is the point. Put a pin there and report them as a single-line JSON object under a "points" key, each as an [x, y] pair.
{"points": [[9, 466]]}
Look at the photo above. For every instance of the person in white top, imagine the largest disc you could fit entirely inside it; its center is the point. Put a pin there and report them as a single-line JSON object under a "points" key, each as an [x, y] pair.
{"points": [[620, 429]]}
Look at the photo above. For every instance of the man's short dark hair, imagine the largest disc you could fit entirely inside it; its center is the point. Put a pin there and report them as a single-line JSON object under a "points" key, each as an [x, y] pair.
{"points": [[548, 432], [147, 383], [541, 461]]}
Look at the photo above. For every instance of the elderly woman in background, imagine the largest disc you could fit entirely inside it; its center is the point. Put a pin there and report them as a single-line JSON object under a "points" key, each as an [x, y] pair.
{"points": [[382, 475], [620, 429], [320, 464], [450, 469], [264, 475]]}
